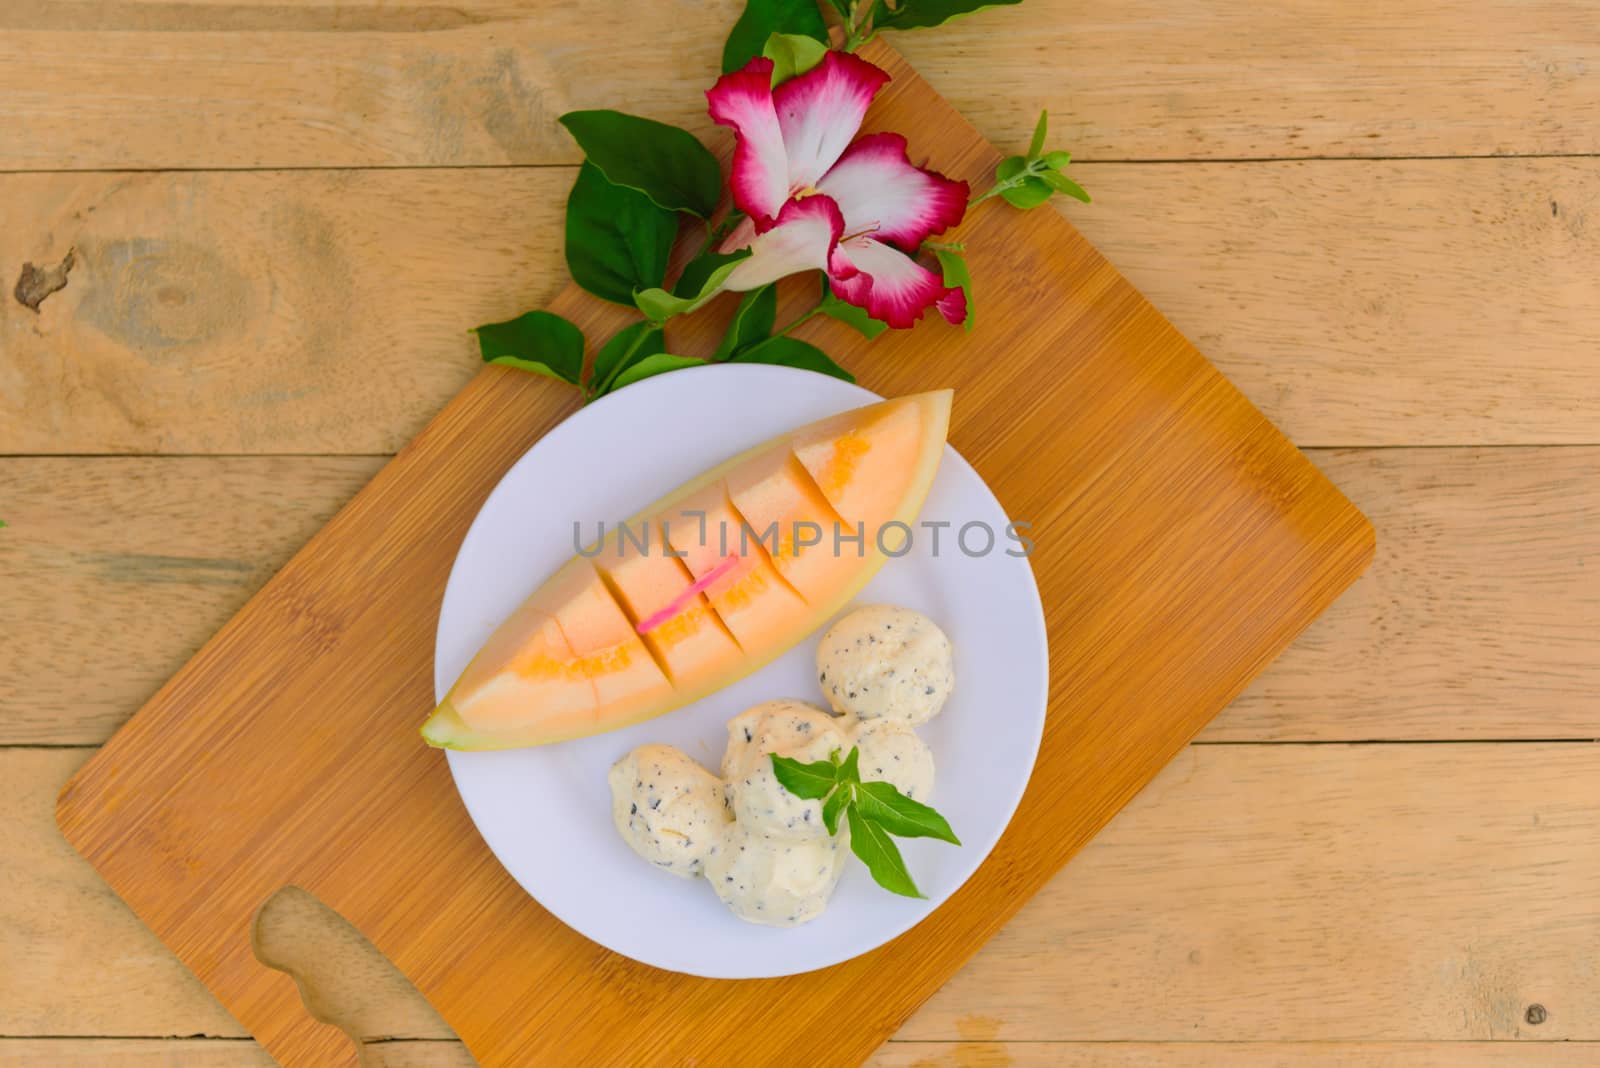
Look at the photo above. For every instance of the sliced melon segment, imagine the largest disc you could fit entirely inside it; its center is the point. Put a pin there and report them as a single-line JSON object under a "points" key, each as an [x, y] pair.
{"points": [[605, 647], [853, 454], [691, 645], [750, 598], [571, 661], [807, 542]]}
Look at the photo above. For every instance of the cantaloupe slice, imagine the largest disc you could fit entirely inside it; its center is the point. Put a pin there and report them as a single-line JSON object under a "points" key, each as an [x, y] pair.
{"points": [[572, 661]]}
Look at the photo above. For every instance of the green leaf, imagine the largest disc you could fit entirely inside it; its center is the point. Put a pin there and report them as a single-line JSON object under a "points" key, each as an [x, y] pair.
{"points": [[1030, 194], [663, 162], [792, 54], [762, 19], [1062, 184], [898, 814], [539, 341], [833, 806], [658, 305], [787, 352], [618, 240], [1036, 146], [809, 781], [630, 344], [650, 366], [1056, 160], [834, 308], [695, 273], [956, 274], [922, 14], [878, 852], [849, 771], [751, 323], [1010, 167]]}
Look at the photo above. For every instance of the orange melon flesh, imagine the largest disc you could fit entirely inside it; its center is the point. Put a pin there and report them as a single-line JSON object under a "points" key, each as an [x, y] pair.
{"points": [[782, 505], [693, 646], [570, 661], [755, 603]]}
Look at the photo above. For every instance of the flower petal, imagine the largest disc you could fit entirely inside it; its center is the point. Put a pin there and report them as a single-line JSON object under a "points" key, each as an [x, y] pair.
{"points": [[760, 173], [893, 287], [805, 238], [821, 110], [879, 190]]}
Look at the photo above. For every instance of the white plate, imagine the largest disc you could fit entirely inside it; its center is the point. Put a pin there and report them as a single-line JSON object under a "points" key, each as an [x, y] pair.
{"points": [[546, 812]]}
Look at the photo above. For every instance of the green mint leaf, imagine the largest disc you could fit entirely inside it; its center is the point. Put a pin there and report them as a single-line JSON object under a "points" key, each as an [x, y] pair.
{"points": [[834, 806], [788, 352], [1056, 160], [627, 347], [809, 781], [898, 814], [752, 322], [955, 270], [617, 240], [848, 767], [1030, 194], [538, 341], [650, 366], [834, 308], [792, 54], [878, 852], [1060, 183], [922, 14], [1010, 167], [663, 162], [693, 278], [762, 19], [1036, 146]]}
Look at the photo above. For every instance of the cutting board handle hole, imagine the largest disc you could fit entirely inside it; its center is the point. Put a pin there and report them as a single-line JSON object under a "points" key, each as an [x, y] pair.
{"points": [[343, 979]]}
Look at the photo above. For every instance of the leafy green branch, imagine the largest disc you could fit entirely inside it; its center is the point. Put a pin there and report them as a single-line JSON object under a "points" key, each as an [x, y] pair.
{"points": [[1028, 181], [876, 813]]}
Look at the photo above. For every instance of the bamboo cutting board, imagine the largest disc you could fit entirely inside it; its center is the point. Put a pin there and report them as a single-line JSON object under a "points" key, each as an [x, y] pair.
{"points": [[1182, 543]]}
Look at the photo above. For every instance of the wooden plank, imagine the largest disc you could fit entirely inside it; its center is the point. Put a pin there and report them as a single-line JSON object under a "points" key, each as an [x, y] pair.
{"points": [[129, 565], [262, 313], [98, 84], [328, 312], [1477, 620], [148, 83], [1480, 617], [1235, 1055], [1188, 543], [1287, 893], [1362, 303], [1330, 893], [238, 1053], [205, 1053]]}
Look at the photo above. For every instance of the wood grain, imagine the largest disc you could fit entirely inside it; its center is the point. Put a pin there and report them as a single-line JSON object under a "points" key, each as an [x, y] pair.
{"points": [[1168, 497], [212, 83], [1478, 618], [328, 312], [222, 1053], [1372, 893]]}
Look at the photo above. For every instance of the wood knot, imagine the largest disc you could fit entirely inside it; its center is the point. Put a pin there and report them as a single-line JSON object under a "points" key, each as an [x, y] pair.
{"points": [[37, 283], [1536, 1014]]}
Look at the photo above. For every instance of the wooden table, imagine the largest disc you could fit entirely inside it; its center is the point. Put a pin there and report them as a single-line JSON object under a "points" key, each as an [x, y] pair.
{"points": [[1383, 224]]}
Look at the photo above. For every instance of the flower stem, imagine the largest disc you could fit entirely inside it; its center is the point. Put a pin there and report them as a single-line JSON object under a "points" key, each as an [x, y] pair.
{"points": [[815, 309], [856, 33], [622, 361], [720, 231]]}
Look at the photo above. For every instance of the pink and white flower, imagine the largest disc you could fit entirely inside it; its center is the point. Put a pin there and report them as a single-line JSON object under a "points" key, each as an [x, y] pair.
{"points": [[818, 197]]}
